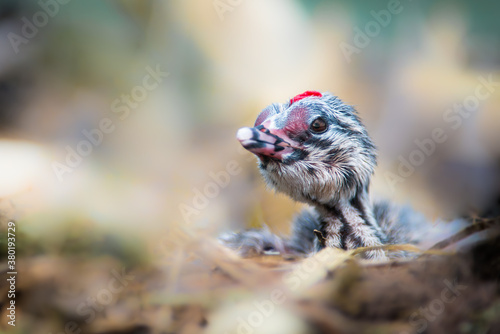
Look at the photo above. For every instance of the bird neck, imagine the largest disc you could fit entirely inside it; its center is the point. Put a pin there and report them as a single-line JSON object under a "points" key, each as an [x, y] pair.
{"points": [[349, 223]]}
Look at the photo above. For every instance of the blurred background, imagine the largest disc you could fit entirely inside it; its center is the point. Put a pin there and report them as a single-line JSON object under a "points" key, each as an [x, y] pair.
{"points": [[172, 81]]}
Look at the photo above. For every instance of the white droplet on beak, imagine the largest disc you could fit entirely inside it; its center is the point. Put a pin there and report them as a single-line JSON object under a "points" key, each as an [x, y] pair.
{"points": [[244, 134]]}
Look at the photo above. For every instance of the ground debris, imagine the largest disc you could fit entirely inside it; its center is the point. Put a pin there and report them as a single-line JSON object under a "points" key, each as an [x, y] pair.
{"points": [[214, 291]]}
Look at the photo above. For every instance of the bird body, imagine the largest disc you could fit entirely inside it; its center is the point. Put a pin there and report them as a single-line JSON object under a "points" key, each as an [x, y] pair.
{"points": [[315, 149]]}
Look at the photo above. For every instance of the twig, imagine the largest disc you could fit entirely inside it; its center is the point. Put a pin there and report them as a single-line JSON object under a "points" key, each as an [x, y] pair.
{"points": [[466, 232], [320, 237]]}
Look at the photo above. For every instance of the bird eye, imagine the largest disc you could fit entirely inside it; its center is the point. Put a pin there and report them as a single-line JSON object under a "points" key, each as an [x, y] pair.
{"points": [[318, 125]]}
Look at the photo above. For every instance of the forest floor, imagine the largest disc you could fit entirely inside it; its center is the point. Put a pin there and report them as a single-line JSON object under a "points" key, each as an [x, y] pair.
{"points": [[205, 288]]}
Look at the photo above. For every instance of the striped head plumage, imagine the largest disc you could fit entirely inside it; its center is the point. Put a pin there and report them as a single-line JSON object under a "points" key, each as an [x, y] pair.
{"points": [[313, 148]]}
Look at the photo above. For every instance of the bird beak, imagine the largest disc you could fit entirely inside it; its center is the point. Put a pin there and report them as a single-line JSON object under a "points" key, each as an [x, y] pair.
{"points": [[262, 142]]}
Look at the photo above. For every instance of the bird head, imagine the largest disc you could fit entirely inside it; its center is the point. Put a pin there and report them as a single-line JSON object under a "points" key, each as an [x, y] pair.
{"points": [[313, 148]]}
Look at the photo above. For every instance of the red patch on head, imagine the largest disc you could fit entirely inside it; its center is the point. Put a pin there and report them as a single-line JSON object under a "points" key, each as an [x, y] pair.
{"points": [[304, 95]]}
